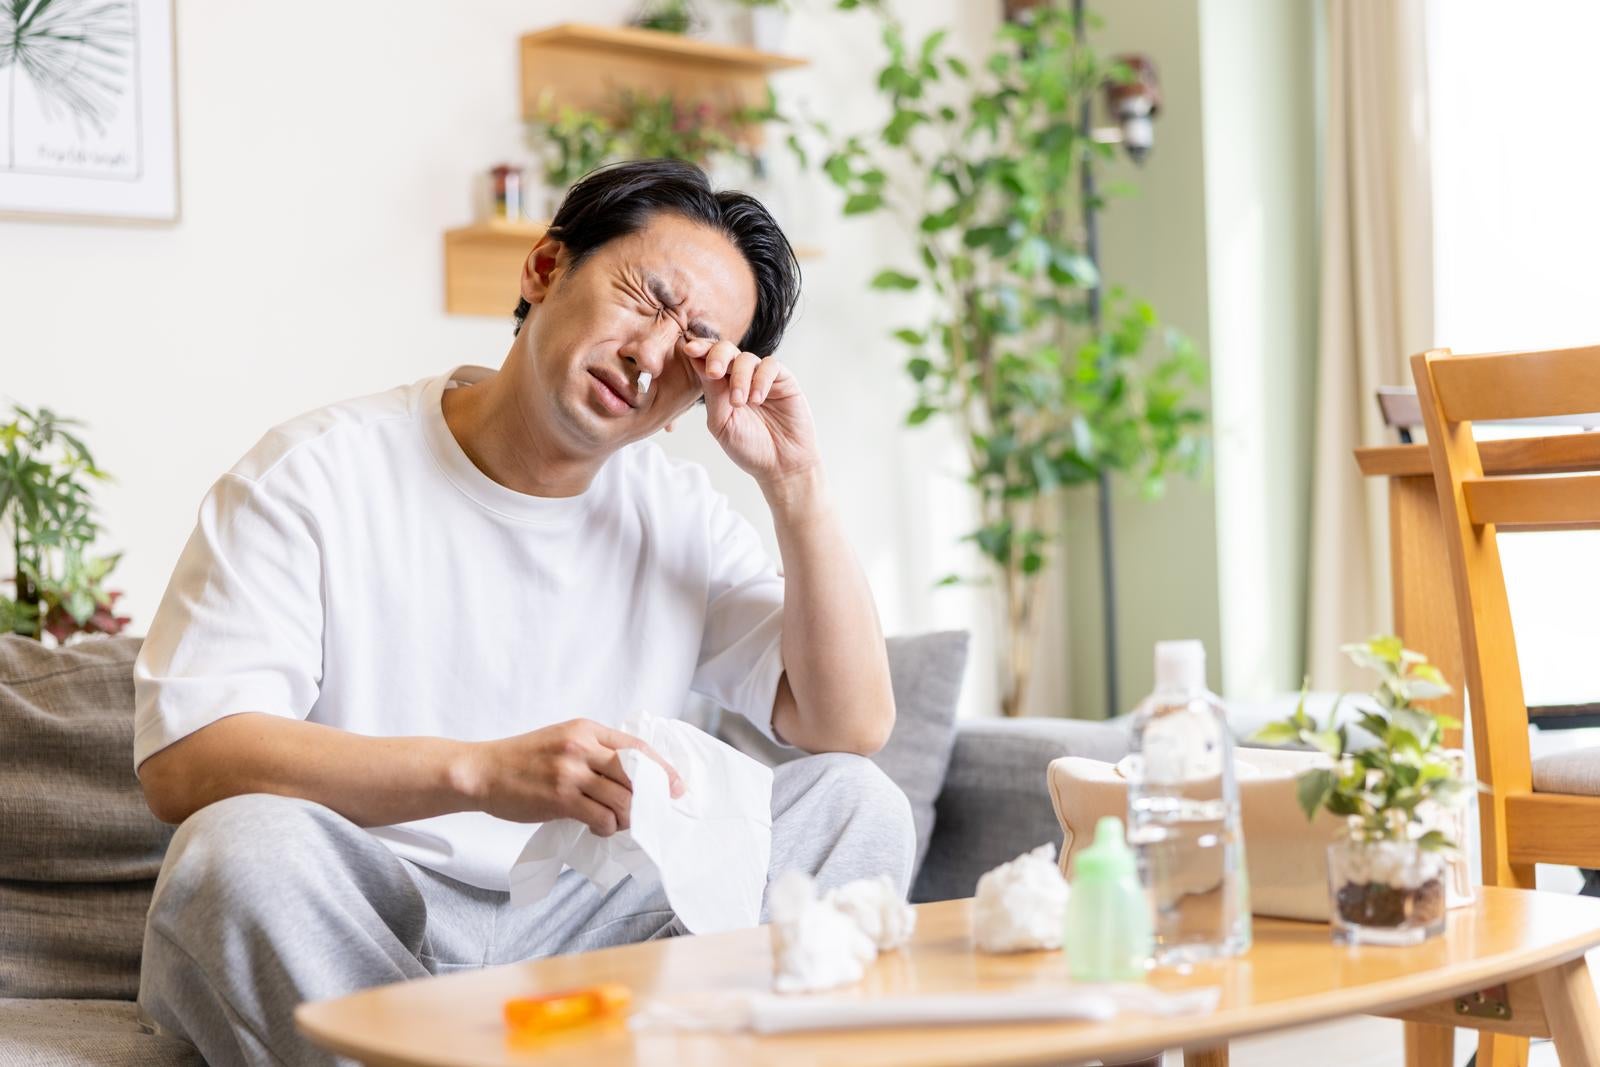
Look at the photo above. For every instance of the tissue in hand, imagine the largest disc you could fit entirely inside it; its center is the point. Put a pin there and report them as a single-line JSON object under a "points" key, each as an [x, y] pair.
{"points": [[710, 847], [1021, 905]]}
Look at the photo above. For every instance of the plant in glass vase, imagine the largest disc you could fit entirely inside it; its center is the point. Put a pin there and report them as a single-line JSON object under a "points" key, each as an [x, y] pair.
{"points": [[1400, 797], [983, 168], [45, 476]]}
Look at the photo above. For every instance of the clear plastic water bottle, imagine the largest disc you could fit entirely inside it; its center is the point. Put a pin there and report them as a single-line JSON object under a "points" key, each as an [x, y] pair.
{"points": [[1183, 814]]}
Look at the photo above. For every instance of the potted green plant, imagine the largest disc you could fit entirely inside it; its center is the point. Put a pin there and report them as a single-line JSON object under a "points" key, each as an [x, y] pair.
{"points": [[638, 125], [983, 166], [1397, 795], [667, 16], [58, 587]]}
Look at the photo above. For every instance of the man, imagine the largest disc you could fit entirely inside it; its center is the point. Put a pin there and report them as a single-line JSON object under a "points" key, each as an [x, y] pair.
{"points": [[407, 626]]}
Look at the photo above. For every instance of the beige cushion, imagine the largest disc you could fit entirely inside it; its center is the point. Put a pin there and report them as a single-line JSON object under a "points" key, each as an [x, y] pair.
{"points": [[1576, 772], [79, 850], [1286, 856], [85, 1033]]}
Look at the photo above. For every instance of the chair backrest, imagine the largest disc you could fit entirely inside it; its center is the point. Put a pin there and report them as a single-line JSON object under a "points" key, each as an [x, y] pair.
{"points": [[1453, 392]]}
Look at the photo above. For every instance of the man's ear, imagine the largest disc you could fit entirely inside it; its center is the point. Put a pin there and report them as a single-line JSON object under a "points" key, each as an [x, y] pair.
{"points": [[544, 264]]}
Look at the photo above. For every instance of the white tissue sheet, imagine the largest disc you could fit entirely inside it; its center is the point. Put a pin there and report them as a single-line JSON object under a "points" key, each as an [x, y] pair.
{"points": [[1021, 905], [876, 906], [814, 944], [767, 1014], [710, 847]]}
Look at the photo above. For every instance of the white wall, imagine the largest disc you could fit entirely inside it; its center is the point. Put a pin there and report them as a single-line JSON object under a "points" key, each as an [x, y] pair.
{"points": [[321, 160]]}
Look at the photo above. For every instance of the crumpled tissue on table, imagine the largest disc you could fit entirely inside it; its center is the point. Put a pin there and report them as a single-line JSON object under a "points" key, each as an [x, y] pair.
{"points": [[819, 942], [709, 847]]}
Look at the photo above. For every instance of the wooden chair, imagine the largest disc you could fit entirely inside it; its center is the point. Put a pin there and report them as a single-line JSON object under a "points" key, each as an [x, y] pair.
{"points": [[1545, 811]]}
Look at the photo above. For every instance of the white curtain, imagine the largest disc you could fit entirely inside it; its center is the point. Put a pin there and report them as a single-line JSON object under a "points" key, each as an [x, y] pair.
{"points": [[1375, 308]]}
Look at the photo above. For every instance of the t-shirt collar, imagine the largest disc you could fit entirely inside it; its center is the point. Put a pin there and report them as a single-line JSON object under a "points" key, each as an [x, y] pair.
{"points": [[473, 483]]}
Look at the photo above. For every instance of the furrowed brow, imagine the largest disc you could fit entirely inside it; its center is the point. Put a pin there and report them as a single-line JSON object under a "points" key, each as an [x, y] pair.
{"points": [[661, 290], [701, 328]]}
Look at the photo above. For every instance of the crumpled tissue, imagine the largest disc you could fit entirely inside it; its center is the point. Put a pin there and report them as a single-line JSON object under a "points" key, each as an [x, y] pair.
{"points": [[880, 911], [1021, 905], [709, 847], [815, 945]]}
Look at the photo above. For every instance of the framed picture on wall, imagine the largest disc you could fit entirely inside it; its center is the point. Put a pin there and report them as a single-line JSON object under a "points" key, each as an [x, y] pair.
{"points": [[88, 109]]}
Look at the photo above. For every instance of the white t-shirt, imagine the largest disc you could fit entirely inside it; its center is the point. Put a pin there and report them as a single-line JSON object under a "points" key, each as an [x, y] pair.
{"points": [[356, 569]]}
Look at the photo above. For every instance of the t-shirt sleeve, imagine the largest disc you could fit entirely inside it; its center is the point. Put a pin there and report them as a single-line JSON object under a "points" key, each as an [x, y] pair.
{"points": [[741, 652], [240, 626]]}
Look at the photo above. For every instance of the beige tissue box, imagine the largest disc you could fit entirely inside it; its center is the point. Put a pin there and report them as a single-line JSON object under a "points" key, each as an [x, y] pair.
{"points": [[1286, 855]]}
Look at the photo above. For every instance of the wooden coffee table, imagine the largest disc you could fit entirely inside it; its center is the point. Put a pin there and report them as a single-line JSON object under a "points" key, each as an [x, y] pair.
{"points": [[1530, 943]]}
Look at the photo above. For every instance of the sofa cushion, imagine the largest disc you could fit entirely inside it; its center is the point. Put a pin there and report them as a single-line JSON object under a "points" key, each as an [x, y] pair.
{"points": [[85, 1033], [80, 851], [69, 800], [995, 804], [72, 939], [926, 672]]}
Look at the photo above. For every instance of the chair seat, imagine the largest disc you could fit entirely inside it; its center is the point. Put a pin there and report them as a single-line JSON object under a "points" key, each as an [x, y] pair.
{"points": [[1575, 773]]}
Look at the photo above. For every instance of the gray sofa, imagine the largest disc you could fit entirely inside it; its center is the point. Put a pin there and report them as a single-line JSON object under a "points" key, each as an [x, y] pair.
{"points": [[79, 852]]}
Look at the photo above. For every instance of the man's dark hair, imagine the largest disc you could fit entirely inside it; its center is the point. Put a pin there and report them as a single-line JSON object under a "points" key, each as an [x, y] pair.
{"points": [[622, 198]]}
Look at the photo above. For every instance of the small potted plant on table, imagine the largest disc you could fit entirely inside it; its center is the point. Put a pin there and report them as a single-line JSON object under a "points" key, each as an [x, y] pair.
{"points": [[1387, 872]]}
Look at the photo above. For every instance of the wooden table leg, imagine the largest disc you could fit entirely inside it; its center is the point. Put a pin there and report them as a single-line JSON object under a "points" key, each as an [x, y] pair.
{"points": [[1206, 1057], [1501, 1050], [1428, 1045], [1571, 1011]]}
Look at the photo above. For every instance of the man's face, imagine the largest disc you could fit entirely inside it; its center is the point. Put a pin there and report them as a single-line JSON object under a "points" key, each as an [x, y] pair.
{"points": [[623, 312]]}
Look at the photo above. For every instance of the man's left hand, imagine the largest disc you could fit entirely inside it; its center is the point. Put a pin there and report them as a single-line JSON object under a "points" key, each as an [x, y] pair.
{"points": [[755, 410]]}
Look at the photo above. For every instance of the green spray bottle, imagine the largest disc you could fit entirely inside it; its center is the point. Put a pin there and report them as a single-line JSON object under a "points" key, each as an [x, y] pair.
{"points": [[1108, 933]]}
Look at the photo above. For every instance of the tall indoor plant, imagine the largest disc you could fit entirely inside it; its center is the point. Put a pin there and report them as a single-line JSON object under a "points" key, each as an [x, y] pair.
{"points": [[58, 586], [983, 166]]}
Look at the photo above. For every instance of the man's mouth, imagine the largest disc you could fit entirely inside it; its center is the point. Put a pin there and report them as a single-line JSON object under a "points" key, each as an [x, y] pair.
{"points": [[614, 393]]}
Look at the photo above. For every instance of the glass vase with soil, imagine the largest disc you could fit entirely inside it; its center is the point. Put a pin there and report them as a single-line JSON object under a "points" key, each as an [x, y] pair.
{"points": [[1387, 773], [1384, 890]]}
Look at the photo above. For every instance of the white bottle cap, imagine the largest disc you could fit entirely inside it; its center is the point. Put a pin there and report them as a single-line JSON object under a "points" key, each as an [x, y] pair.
{"points": [[1180, 666]]}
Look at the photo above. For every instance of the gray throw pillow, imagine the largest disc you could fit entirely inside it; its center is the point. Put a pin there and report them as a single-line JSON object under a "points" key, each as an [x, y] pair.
{"points": [[926, 671]]}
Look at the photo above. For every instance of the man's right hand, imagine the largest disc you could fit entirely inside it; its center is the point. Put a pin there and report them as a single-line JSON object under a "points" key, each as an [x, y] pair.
{"points": [[566, 771]]}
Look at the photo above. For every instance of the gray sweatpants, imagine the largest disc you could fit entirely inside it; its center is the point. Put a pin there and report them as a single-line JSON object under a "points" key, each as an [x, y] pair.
{"points": [[265, 902]]}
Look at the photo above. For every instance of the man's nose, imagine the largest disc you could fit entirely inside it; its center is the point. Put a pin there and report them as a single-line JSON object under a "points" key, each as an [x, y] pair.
{"points": [[652, 347]]}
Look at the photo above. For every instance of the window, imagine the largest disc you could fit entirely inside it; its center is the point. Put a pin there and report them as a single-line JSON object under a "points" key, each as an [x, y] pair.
{"points": [[1515, 98]]}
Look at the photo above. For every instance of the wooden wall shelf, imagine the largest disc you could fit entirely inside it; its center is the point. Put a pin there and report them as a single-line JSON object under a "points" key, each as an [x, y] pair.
{"points": [[483, 262], [585, 66]]}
